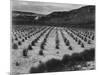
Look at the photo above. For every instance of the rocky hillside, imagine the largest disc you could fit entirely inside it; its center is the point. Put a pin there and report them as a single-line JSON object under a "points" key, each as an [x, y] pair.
{"points": [[82, 17]]}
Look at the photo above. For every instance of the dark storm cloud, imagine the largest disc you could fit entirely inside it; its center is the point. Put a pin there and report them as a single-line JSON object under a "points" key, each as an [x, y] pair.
{"points": [[42, 7]]}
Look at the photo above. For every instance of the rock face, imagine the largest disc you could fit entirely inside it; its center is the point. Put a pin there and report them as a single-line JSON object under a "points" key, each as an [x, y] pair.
{"points": [[82, 17]]}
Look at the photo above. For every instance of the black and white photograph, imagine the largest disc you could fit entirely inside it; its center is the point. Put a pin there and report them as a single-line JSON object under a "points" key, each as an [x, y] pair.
{"points": [[51, 37]]}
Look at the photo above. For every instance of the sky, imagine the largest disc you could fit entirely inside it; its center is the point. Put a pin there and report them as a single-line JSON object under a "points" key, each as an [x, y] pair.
{"points": [[42, 7]]}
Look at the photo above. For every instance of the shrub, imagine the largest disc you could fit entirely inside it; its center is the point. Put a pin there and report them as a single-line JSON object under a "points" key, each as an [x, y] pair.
{"points": [[30, 47], [16, 38], [33, 43], [70, 48], [14, 46], [66, 59], [25, 52], [82, 45], [93, 37], [85, 39], [17, 63], [19, 43], [89, 41], [71, 60], [79, 42], [41, 68], [23, 40], [41, 52], [54, 65], [67, 43]]}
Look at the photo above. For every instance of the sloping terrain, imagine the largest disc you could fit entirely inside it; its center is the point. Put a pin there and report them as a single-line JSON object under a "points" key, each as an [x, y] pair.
{"points": [[20, 17], [83, 17]]}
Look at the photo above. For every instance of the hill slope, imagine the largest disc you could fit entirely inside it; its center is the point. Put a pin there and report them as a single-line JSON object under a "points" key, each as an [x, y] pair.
{"points": [[82, 17], [19, 17]]}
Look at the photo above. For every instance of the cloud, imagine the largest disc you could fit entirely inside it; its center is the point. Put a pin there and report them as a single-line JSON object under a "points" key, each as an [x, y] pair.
{"points": [[42, 7]]}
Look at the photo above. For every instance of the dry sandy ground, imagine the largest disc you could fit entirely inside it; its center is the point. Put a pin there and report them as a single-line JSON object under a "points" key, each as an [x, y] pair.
{"points": [[21, 64]]}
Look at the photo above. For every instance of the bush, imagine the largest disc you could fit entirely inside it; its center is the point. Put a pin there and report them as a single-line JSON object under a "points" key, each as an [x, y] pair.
{"points": [[41, 68], [41, 52], [25, 53], [14, 46], [66, 59], [82, 45], [67, 43], [16, 38], [23, 40], [85, 39], [19, 43], [54, 65], [79, 42], [30, 47], [17, 64], [87, 55], [89, 41], [70, 48], [33, 43]]}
